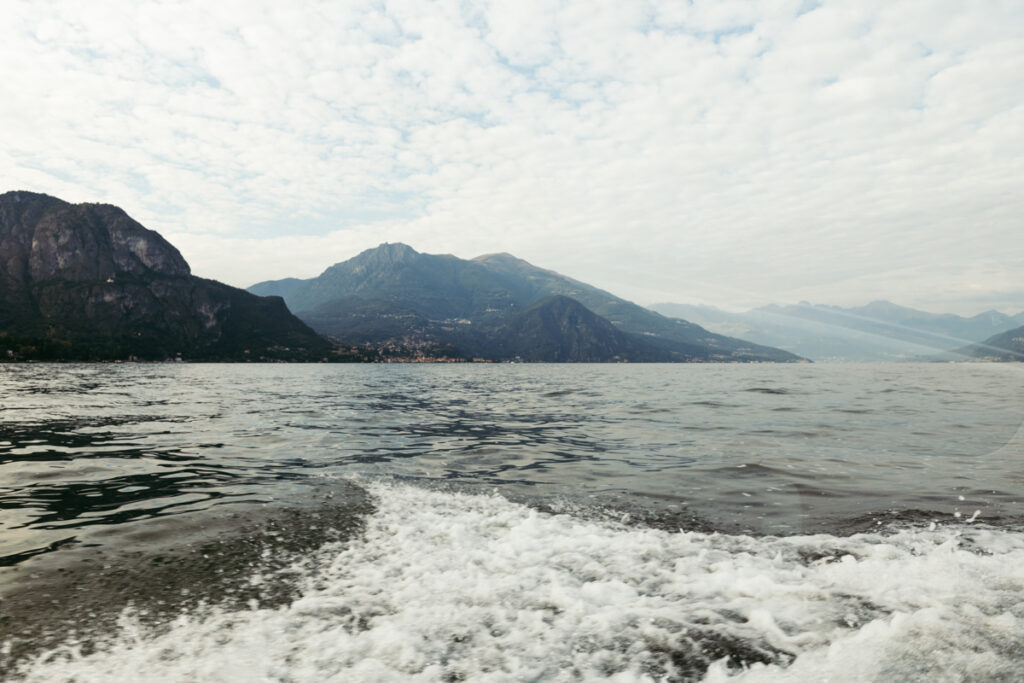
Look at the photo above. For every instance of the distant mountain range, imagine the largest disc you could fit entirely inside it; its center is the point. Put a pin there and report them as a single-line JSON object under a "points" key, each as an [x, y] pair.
{"points": [[879, 331], [86, 282], [497, 307]]}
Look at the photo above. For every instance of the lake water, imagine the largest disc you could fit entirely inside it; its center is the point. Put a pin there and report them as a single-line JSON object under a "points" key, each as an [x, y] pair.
{"points": [[511, 522]]}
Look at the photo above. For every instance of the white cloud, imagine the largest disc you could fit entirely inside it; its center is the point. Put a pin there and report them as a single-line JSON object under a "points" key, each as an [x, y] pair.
{"points": [[761, 151]]}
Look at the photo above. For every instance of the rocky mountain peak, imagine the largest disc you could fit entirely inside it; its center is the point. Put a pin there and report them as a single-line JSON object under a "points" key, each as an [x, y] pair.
{"points": [[388, 253], [87, 282], [498, 256], [44, 239]]}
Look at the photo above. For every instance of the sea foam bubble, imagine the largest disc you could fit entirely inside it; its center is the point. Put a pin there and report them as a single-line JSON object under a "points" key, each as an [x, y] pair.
{"points": [[448, 586]]}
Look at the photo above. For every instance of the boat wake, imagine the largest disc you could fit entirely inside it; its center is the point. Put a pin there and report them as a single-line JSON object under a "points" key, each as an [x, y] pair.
{"points": [[444, 586]]}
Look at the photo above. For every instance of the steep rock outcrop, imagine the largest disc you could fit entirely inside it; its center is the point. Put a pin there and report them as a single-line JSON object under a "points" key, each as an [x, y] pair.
{"points": [[86, 281]]}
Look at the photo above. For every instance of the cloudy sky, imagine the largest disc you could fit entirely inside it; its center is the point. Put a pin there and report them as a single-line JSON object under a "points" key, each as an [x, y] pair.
{"points": [[718, 152]]}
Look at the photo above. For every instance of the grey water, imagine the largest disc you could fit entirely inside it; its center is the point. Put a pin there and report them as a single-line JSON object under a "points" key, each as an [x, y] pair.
{"points": [[159, 490]]}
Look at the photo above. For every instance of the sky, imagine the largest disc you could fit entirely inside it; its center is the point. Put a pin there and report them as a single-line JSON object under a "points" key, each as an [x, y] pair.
{"points": [[708, 152]]}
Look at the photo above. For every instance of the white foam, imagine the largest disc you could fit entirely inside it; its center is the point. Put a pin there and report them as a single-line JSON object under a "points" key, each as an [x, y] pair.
{"points": [[451, 586]]}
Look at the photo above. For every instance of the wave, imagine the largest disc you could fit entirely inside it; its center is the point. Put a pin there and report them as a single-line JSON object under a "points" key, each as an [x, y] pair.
{"points": [[445, 586]]}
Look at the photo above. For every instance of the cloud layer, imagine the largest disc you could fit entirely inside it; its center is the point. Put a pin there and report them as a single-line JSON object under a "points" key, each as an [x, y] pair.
{"points": [[719, 152]]}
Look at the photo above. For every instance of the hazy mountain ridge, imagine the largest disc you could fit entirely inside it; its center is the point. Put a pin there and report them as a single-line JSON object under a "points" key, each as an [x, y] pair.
{"points": [[884, 317], [879, 330], [86, 281], [1005, 346], [471, 304], [532, 282]]}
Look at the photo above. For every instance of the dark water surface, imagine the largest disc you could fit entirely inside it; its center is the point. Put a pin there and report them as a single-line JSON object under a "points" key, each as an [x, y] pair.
{"points": [[510, 522]]}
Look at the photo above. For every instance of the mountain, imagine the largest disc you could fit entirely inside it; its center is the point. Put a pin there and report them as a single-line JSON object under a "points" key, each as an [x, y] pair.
{"points": [[1005, 346], [530, 283], [470, 304], [554, 329], [353, 320], [436, 286], [86, 281], [879, 331], [897, 321], [559, 329]]}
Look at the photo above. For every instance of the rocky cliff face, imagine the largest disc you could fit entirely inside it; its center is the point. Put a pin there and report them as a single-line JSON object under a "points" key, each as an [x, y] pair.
{"points": [[86, 281], [43, 238]]}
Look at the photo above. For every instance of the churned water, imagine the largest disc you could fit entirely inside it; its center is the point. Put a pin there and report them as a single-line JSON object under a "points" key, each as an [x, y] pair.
{"points": [[511, 522]]}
